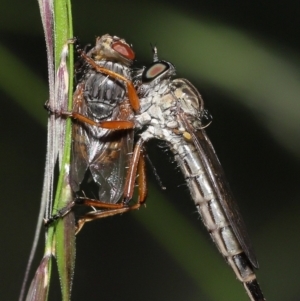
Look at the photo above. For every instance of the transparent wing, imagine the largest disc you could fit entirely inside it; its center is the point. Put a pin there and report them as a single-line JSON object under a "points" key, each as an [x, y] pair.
{"points": [[216, 175], [108, 166], [79, 160], [213, 167]]}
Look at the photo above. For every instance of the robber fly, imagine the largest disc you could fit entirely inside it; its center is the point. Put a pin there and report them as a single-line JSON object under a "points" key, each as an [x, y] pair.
{"points": [[173, 110], [104, 103]]}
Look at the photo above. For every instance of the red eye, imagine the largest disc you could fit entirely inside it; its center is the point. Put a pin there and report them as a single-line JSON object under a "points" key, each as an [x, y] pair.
{"points": [[124, 50]]}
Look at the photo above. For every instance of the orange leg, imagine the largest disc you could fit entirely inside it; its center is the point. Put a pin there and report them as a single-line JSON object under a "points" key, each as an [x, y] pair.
{"points": [[137, 164], [142, 180], [132, 171], [93, 215], [109, 124]]}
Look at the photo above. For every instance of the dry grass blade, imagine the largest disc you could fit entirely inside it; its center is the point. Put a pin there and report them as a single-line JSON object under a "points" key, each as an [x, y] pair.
{"points": [[55, 17]]}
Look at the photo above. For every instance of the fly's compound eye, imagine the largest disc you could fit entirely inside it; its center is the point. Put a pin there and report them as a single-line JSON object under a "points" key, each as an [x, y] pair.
{"points": [[154, 71], [123, 50]]}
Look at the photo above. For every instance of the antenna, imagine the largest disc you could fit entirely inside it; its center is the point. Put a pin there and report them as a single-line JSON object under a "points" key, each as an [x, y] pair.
{"points": [[155, 55]]}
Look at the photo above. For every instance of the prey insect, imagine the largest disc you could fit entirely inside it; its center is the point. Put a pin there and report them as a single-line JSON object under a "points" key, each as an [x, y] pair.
{"points": [[172, 110], [103, 120]]}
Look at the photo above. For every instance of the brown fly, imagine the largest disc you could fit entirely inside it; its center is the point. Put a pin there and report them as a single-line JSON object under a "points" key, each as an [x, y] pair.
{"points": [[104, 104]]}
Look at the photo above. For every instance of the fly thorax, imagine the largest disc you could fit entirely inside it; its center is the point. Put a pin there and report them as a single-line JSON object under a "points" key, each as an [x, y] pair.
{"points": [[103, 93], [187, 96]]}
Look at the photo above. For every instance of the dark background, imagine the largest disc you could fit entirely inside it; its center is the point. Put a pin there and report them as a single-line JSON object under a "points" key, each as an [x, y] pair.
{"points": [[243, 58]]}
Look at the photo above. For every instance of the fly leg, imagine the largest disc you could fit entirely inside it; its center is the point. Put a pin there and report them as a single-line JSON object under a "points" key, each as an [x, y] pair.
{"points": [[61, 213], [93, 215], [137, 165], [109, 124]]}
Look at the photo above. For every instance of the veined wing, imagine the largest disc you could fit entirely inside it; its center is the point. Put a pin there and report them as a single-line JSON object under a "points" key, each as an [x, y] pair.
{"points": [[217, 178], [108, 166], [79, 159]]}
